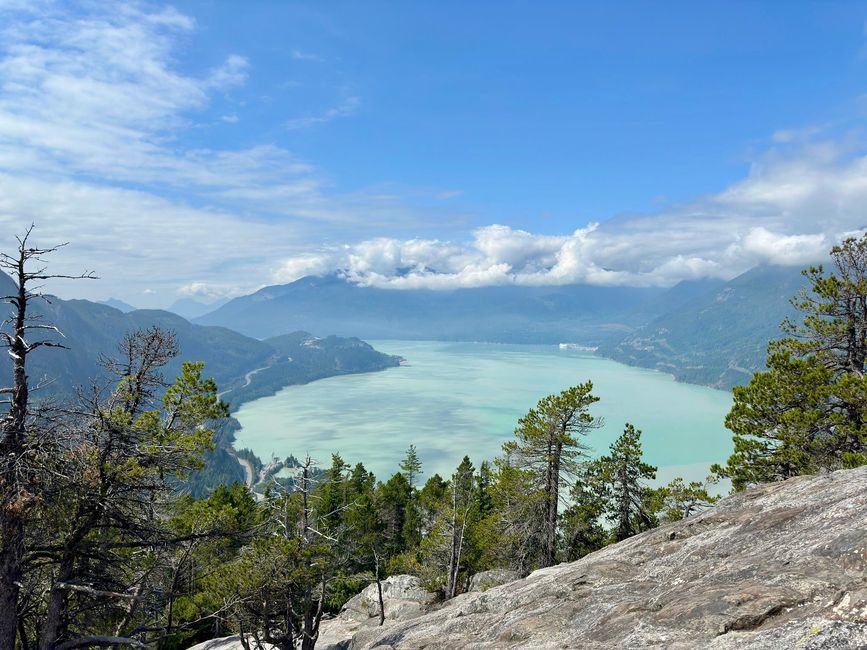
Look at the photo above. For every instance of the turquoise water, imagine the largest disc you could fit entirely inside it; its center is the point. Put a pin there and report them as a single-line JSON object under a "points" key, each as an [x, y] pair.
{"points": [[452, 399]]}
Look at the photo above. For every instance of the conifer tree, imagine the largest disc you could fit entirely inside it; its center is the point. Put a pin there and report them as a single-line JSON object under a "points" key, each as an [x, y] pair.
{"points": [[679, 499], [582, 531], [118, 484], [808, 411], [411, 466], [22, 435], [619, 480], [548, 444]]}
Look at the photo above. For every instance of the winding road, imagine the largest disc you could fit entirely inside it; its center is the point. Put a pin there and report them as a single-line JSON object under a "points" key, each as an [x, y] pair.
{"points": [[247, 379], [249, 474]]}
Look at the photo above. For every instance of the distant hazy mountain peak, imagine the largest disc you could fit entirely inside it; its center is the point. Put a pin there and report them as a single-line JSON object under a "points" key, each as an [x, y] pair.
{"points": [[192, 308], [118, 304]]}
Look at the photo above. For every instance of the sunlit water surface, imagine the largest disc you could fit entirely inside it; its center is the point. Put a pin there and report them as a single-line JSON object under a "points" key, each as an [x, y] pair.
{"points": [[452, 399]]}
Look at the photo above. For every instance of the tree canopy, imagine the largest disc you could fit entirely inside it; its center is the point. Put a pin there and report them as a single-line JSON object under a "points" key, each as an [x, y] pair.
{"points": [[808, 411]]}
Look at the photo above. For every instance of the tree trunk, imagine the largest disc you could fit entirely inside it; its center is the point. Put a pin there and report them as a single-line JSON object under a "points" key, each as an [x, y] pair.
{"points": [[624, 528], [12, 534], [379, 595], [552, 509], [450, 585], [56, 599], [13, 502], [17, 488]]}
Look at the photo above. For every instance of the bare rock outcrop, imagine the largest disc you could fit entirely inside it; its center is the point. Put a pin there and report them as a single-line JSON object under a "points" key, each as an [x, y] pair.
{"points": [[780, 566], [485, 580], [404, 599], [228, 643]]}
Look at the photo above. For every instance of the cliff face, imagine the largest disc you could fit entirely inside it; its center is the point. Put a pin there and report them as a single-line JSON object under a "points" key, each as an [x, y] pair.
{"points": [[781, 566]]}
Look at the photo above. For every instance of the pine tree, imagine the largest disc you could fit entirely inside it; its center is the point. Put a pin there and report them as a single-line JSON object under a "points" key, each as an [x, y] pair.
{"points": [[411, 468], [679, 499], [394, 498], [333, 495], [548, 445], [118, 485]]}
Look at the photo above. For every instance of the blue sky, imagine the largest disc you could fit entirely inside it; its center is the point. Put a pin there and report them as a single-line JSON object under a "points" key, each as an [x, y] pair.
{"points": [[539, 113], [209, 148]]}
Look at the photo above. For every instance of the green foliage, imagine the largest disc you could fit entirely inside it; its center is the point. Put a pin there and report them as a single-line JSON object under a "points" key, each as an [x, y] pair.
{"points": [[582, 530], [679, 500], [411, 466], [273, 568], [618, 480], [550, 432], [545, 453], [396, 503], [807, 412]]}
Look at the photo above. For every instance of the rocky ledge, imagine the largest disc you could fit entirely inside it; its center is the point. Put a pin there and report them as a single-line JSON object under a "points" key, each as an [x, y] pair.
{"points": [[404, 599], [780, 566]]}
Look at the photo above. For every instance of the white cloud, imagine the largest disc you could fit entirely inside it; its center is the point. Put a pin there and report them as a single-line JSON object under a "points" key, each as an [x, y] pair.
{"points": [[99, 96], [93, 109], [789, 211], [208, 292], [785, 250]]}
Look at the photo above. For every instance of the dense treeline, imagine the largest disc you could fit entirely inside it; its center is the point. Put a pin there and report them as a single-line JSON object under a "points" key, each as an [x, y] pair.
{"points": [[100, 547]]}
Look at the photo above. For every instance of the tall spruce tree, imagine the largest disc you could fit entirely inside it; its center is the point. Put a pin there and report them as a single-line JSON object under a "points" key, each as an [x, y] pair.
{"points": [[619, 479], [411, 466]]}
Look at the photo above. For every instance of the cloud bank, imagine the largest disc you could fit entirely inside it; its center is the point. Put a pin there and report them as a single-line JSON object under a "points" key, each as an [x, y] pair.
{"points": [[789, 211]]}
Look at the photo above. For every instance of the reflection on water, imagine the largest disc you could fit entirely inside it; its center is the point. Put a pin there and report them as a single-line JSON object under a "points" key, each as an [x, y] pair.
{"points": [[453, 399]]}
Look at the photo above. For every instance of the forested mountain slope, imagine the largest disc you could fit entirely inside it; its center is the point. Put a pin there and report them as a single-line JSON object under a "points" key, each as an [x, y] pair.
{"points": [[244, 368], [91, 331], [718, 337]]}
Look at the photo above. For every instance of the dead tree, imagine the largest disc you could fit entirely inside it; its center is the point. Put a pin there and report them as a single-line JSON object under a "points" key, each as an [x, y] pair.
{"points": [[19, 485]]}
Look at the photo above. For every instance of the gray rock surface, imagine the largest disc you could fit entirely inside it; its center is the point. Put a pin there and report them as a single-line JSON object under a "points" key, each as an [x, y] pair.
{"points": [[404, 599], [225, 643], [781, 566], [485, 580]]}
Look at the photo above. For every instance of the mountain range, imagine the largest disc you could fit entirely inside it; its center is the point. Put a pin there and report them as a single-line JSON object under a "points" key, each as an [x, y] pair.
{"points": [[335, 305], [192, 308], [117, 304], [704, 331], [242, 366]]}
